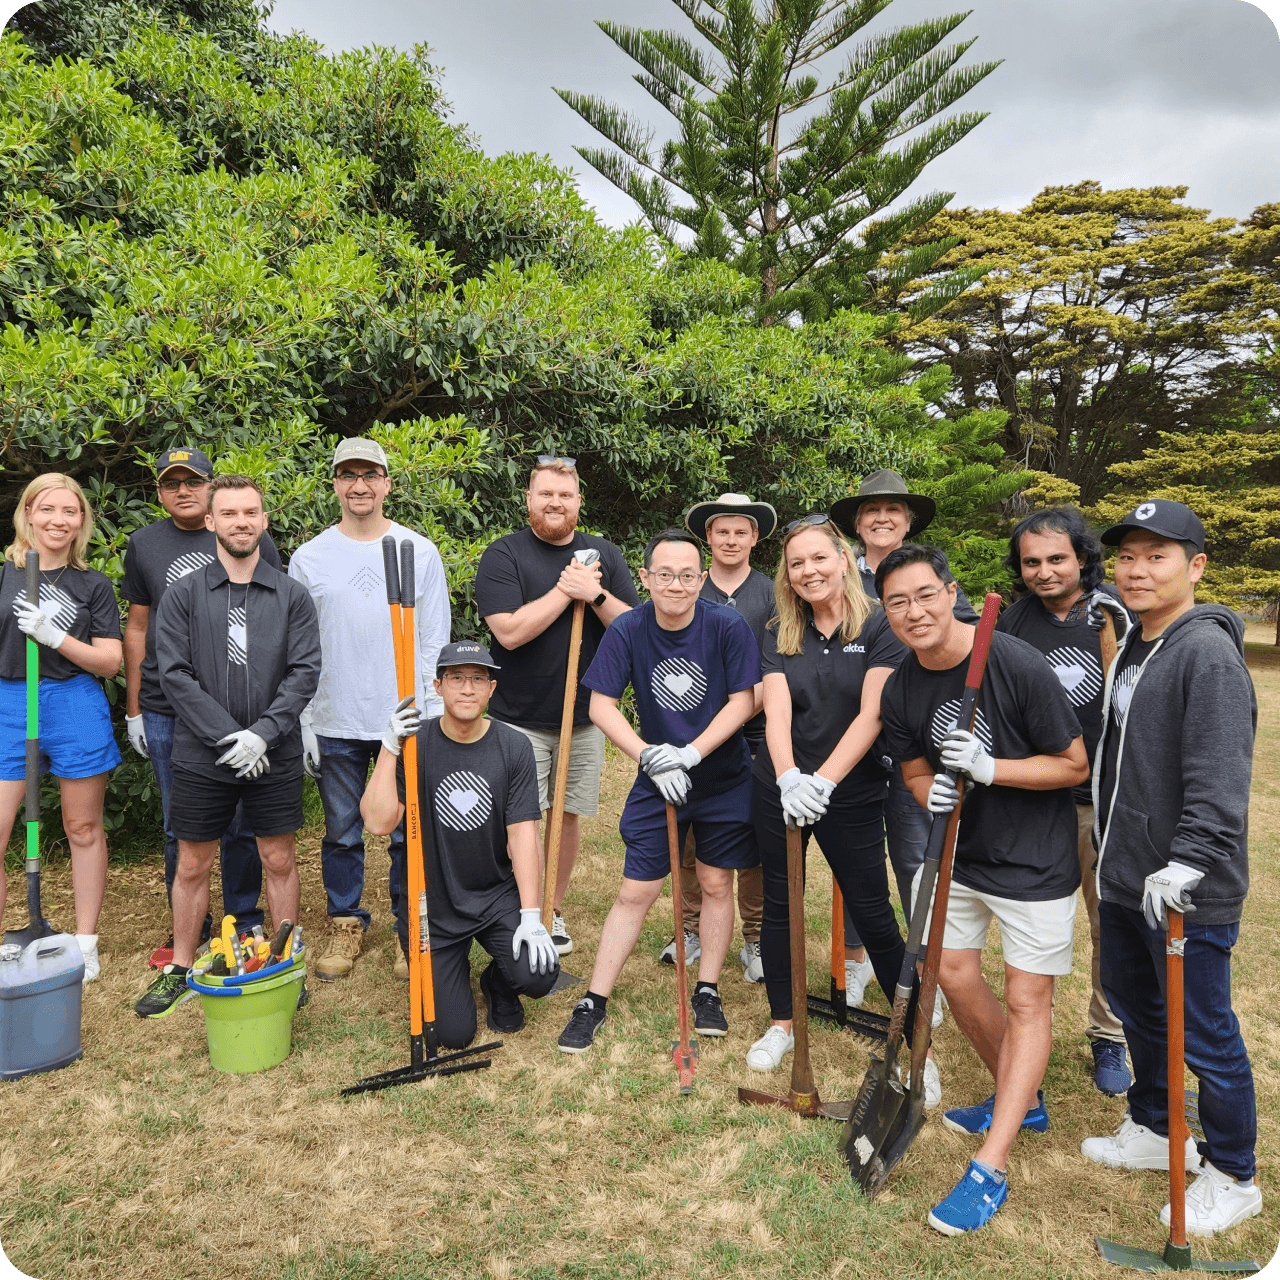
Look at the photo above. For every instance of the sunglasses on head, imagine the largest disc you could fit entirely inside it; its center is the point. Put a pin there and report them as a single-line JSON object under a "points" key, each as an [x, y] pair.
{"points": [[813, 518], [554, 460]]}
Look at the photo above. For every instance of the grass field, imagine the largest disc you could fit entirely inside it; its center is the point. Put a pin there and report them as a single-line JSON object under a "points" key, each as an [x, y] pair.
{"points": [[142, 1163]]}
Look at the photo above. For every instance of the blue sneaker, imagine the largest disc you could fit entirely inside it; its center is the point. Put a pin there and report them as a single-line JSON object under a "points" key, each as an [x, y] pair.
{"points": [[1110, 1070], [977, 1119], [972, 1204]]}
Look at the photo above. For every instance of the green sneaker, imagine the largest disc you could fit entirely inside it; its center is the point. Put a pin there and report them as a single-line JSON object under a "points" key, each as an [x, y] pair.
{"points": [[165, 994]]}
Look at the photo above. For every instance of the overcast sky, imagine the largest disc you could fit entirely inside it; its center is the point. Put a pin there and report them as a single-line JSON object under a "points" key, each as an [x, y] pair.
{"points": [[1128, 92]]}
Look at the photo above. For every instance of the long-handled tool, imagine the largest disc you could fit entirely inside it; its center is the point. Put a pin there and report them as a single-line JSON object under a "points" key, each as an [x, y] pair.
{"points": [[425, 1058], [885, 1117], [555, 828], [862, 1022], [684, 1052], [1177, 1250], [803, 1096], [37, 925]]}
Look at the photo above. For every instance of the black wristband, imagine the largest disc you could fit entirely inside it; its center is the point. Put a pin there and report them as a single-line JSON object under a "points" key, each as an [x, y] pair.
{"points": [[599, 600]]}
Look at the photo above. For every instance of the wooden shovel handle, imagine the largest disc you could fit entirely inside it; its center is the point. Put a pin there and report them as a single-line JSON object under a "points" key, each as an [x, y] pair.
{"points": [[555, 828], [801, 1070]]}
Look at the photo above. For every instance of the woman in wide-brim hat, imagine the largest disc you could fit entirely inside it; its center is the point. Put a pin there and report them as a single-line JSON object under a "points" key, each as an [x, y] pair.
{"points": [[882, 515]]}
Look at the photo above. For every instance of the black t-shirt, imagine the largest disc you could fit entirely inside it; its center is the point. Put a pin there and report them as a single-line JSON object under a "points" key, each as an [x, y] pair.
{"points": [[1128, 664], [754, 600], [516, 569], [156, 557], [470, 792], [825, 681], [963, 611], [1012, 843], [80, 601], [1074, 650]]}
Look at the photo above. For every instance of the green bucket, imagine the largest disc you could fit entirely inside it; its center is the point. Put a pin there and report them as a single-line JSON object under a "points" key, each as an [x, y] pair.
{"points": [[251, 1031]]}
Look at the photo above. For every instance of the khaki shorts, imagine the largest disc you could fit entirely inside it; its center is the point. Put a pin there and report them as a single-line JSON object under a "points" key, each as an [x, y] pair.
{"points": [[1037, 937], [586, 760]]}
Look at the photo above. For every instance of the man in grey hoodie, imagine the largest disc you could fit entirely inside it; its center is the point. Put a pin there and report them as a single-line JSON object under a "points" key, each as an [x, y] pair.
{"points": [[1171, 790]]}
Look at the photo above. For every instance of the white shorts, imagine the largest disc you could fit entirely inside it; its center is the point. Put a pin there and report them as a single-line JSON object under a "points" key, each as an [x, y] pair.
{"points": [[586, 760], [1037, 937]]}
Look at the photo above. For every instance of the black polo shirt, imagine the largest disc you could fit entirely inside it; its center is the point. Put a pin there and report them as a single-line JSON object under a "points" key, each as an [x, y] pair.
{"points": [[825, 681], [963, 611], [754, 600]]}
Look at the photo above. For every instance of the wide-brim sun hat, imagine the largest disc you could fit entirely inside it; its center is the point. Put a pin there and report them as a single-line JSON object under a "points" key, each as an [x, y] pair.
{"points": [[730, 504], [883, 484]]}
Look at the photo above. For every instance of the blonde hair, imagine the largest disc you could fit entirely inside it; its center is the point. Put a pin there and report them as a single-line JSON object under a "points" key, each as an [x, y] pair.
{"points": [[792, 611], [558, 467], [18, 548]]}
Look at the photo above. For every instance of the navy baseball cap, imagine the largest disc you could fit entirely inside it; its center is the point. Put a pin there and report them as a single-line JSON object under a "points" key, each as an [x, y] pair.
{"points": [[464, 653], [1163, 518], [184, 456]]}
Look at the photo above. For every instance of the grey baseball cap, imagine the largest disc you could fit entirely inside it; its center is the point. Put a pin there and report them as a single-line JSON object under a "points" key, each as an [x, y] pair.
{"points": [[360, 449]]}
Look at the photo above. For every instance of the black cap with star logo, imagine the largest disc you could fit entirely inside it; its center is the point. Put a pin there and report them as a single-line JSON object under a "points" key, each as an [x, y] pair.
{"points": [[1163, 518]]}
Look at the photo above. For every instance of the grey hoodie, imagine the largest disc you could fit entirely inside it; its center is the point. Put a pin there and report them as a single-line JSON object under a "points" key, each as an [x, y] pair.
{"points": [[1183, 766]]}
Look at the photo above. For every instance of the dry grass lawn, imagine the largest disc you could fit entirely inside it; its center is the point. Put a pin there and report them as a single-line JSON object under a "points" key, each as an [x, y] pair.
{"points": [[142, 1163]]}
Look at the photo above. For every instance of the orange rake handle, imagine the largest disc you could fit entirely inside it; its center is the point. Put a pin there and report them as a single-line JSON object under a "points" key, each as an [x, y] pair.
{"points": [[837, 939]]}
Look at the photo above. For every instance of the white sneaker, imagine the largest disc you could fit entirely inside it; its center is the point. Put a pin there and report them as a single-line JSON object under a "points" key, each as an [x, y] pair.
{"points": [[939, 1006], [768, 1052], [752, 964], [1215, 1201], [932, 1084], [692, 949], [857, 973], [1134, 1146], [88, 944]]}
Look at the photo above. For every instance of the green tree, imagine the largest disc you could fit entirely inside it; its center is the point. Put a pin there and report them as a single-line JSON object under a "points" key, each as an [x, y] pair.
{"points": [[781, 167]]}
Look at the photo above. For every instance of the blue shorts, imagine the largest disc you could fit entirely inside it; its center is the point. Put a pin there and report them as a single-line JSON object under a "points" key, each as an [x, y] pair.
{"points": [[75, 729], [721, 826]]}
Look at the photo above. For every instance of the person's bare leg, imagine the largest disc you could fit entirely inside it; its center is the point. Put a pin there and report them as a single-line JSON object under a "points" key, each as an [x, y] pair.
{"points": [[570, 839], [280, 870], [622, 930], [1024, 1055], [12, 793], [716, 928], [82, 821], [978, 1013], [191, 896]]}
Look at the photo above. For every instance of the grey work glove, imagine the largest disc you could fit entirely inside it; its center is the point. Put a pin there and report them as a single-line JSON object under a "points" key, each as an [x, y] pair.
{"points": [[673, 785], [531, 931], [247, 754], [799, 801], [943, 794], [310, 744], [405, 721], [963, 752], [1169, 887], [137, 734], [34, 622], [660, 759], [1102, 603]]}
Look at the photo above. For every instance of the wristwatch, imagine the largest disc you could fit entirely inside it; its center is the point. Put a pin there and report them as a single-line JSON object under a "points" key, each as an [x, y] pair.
{"points": [[599, 600]]}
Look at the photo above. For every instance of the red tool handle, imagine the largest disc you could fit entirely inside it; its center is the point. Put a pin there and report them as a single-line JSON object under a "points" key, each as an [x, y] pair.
{"points": [[1177, 1082], [982, 640], [683, 1053]]}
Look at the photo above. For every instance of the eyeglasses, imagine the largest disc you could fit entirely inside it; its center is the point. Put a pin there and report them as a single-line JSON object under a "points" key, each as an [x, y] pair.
{"points": [[924, 598], [457, 680], [813, 518], [664, 577], [553, 460], [350, 477], [187, 482]]}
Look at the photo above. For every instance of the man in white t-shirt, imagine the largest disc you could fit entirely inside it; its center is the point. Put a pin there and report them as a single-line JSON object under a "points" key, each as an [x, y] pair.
{"points": [[342, 728]]}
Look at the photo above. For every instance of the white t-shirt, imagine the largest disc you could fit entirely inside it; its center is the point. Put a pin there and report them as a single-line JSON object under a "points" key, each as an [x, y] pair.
{"points": [[345, 579]]}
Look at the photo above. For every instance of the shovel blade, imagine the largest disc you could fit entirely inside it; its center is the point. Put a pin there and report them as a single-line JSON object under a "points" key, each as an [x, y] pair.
{"points": [[563, 982], [895, 1147], [874, 1118]]}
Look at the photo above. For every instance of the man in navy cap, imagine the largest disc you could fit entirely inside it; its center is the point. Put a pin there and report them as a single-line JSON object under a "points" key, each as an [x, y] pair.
{"points": [[1171, 790]]}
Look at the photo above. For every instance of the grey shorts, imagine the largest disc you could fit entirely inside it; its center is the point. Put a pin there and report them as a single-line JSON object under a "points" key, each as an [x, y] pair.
{"points": [[586, 760]]}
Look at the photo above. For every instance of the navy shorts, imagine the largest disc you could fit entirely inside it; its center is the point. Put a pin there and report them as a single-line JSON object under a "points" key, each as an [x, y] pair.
{"points": [[721, 826], [75, 729], [201, 807]]}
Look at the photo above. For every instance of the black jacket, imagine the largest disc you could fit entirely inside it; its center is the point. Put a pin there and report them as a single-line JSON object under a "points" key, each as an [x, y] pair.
{"points": [[191, 654], [1182, 768]]}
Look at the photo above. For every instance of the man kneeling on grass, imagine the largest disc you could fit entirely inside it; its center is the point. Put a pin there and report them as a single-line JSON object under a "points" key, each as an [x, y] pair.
{"points": [[694, 666], [478, 787]]}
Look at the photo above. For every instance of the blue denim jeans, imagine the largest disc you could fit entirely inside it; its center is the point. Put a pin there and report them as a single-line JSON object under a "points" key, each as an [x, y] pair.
{"points": [[1133, 977], [241, 866], [344, 770]]}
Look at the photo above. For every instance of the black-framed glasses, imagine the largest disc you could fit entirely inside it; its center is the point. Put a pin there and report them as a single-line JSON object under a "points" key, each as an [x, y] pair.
{"points": [[190, 482], [556, 460], [813, 518]]}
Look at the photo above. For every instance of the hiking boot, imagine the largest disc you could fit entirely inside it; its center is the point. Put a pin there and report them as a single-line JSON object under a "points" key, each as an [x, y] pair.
{"points": [[1110, 1070], [346, 934], [708, 1013], [582, 1028], [767, 1052], [1134, 1146], [692, 949], [165, 994], [976, 1120], [1215, 1202], [400, 969], [972, 1204], [506, 1013], [857, 973], [752, 964], [560, 935]]}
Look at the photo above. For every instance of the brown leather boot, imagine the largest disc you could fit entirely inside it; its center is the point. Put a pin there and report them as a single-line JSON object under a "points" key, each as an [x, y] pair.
{"points": [[346, 934]]}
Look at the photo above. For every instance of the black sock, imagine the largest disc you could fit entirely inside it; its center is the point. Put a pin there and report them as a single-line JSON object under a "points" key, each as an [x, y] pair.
{"points": [[706, 986], [600, 1002]]}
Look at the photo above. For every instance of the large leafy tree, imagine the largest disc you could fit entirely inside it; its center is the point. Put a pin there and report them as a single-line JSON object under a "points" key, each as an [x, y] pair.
{"points": [[781, 163]]}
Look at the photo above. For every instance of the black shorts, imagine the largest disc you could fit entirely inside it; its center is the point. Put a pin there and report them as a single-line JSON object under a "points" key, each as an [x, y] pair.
{"points": [[201, 808]]}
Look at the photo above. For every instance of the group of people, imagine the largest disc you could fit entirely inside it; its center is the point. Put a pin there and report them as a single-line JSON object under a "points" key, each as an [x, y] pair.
{"points": [[824, 699]]}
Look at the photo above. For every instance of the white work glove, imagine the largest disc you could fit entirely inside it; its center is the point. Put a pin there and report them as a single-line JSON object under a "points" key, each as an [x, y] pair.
{"points": [[247, 754], [310, 744], [405, 721], [33, 621], [542, 952], [660, 759], [1169, 887], [673, 786], [800, 798], [137, 734], [1102, 603], [963, 753], [943, 794]]}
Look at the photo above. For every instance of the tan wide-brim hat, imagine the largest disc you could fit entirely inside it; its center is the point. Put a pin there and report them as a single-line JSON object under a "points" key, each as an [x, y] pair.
{"points": [[731, 504], [883, 484]]}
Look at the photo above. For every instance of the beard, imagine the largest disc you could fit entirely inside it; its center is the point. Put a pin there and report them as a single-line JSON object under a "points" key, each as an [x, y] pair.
{"points": [[240, 553], [552, 526]]}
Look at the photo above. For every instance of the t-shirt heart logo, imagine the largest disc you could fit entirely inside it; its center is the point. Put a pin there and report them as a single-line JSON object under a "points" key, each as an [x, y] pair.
{"points": [[679, 683], [463, 800], [1121, 696], [1070, 676]]}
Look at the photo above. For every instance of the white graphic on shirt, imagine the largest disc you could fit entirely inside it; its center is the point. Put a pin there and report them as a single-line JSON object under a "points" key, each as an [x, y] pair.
{"points": [[57, 606], [1122, 690], [237, 636], [679, 685], [366, 582], [184, 565], [464, 801], [944, 720], [854, 648], [1078, 672]]}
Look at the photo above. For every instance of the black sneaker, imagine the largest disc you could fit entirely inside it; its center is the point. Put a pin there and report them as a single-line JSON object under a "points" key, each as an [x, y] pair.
{"points": [[506, 1013], [165, 994], [708, 1013], [582, 1028]]}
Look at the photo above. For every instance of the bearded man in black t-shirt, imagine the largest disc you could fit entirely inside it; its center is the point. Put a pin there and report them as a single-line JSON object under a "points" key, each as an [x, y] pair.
{"points": [[1015, 855]]}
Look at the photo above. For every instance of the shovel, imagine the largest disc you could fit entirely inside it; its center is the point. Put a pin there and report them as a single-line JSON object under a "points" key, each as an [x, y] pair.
{"points": [[862, 1022], [684, 1052], [885, 1118], [1177, 1250]]}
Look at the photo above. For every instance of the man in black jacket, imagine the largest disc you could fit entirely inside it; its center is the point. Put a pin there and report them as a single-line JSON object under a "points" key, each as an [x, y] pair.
{"points": [[1171, 788], [237, 738]]}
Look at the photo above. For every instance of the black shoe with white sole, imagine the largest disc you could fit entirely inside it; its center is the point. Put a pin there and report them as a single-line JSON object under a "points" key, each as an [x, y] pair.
{"points": [[582, 1028], [708, 1013], [506, 1013]]}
